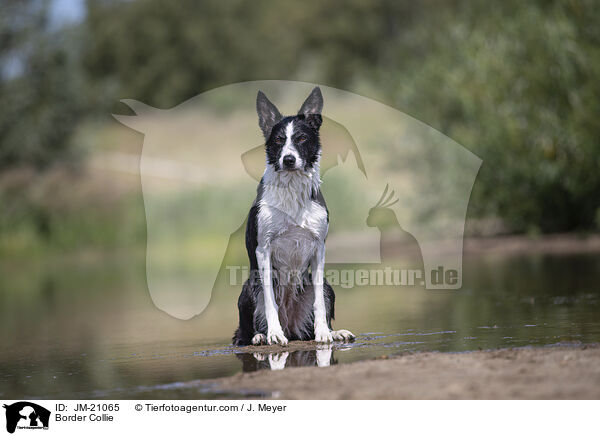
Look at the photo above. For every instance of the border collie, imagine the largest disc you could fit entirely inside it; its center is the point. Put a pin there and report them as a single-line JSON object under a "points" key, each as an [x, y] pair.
{"points": [[285, 235]]}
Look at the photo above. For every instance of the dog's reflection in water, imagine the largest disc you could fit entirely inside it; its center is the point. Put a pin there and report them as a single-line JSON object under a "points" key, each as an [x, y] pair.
{"points": [[323, 356]]}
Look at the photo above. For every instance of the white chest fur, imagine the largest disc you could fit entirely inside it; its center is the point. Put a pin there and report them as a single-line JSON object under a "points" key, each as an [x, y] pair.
{"points": [[287, 201]]}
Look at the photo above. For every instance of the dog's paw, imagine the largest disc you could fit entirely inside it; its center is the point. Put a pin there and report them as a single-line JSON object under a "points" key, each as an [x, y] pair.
{"points": [[277, 360], [323, 334], [276, 337], [259, 339], [343, 335]]}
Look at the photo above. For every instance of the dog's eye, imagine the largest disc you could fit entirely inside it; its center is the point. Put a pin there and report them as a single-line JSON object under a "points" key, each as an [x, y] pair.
{"points": [[279, 140], [302, 138]]}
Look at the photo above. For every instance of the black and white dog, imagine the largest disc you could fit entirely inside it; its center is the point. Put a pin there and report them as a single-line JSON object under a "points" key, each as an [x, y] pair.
{"points": [[285, 235]]}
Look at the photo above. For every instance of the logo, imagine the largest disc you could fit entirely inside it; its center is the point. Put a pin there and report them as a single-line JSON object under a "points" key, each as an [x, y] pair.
{"points": [[397, 191], [26, 415]]}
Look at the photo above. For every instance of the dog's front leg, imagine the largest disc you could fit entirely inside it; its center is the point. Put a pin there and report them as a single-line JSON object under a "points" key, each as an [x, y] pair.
{"points": [[274, 331], [322, 332]]}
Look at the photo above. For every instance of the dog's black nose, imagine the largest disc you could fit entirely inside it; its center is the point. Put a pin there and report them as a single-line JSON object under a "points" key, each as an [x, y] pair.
{"points": [[289, 161]]}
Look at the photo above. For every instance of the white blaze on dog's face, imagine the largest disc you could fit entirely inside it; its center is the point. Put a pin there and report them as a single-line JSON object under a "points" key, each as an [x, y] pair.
{"points": [[292, 143], [289, 158]]}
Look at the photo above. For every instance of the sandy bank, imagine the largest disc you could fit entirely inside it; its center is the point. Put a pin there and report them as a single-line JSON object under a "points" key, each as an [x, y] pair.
{"points": [[558, 372]]}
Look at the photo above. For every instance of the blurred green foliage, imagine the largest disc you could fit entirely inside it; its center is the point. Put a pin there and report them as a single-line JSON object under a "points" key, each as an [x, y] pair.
{"points": [[515, 82], [41, 88]]}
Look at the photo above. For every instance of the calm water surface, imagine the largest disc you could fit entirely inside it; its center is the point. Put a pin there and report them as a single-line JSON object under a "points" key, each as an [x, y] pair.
{"points": [[80, 330]]}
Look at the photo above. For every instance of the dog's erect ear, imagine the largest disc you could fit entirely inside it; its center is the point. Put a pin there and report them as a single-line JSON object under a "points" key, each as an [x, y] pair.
{"points": [[268, 115], [313, 105]]}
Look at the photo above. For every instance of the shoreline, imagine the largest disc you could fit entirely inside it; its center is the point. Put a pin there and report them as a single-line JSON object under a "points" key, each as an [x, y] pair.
{"points": [[551, 372], [559, 243]]}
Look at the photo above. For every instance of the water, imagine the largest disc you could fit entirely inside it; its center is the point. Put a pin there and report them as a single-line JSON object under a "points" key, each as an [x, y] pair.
{"points": [[86, 328]]}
